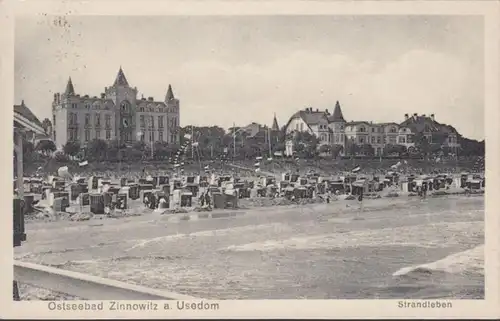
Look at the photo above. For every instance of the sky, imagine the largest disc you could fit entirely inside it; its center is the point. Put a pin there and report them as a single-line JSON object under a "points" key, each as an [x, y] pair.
{"points": [[243, 69]]}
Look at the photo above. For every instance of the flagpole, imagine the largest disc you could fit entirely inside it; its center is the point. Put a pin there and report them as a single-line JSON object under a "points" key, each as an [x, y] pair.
{"points": [[192, 141], [234, 141], [269, 139]]}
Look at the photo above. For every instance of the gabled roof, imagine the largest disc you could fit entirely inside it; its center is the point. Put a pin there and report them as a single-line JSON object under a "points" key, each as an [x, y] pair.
{"points": [[337, 114], [418, 124], [120, 80], [312, 117], [361, 122], [27, 113]]}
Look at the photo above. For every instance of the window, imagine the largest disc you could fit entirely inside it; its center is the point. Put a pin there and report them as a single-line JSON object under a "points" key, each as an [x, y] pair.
{"points": [[87, 119], [373, 139], [70, 134], [87, 106], [323, 137], [379, 140], [172, 138], [393, 129], [98, 134], [71, 118], [402, 140], [296, 125], [151, 136], [97, 120], [160, 121], [160, 136], [341, 127], [108, 135], [142, 136], [361, 140], [74, 106], [373, 129], [152, 121], [87, 135], [107, 119], [142, 121], [362, 129], [301, 126], [141, 109]]}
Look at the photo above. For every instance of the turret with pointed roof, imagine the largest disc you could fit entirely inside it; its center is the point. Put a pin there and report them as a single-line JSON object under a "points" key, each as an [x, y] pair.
{"points": [[170, 94], [120, 80], [70, 90], [275, 126], [337, 114]]}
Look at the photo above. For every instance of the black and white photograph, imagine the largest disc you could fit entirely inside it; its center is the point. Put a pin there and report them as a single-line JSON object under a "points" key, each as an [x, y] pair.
{"points": [[199, 158]]}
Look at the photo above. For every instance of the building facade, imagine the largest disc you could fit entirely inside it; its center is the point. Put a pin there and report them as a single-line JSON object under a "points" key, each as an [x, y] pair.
{"points": [[116, 115], [333, 129]]}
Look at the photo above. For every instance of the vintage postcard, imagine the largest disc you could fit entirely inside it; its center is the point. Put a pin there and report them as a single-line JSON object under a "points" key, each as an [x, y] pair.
{"points": [[250, 159]]}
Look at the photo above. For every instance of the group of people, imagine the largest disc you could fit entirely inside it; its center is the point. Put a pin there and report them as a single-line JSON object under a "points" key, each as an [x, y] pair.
{"points": [[205, 200]]}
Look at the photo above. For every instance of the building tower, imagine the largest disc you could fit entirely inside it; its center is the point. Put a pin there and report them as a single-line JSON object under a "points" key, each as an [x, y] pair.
{"points": [[337, 125], [124, 98]]}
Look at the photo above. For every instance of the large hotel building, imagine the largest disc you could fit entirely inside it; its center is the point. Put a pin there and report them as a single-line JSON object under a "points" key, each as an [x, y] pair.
{"points": [[116, 115]]}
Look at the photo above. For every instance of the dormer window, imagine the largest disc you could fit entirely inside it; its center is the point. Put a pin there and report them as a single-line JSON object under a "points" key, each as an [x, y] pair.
{"points": [[141, 109], [362, 129]]}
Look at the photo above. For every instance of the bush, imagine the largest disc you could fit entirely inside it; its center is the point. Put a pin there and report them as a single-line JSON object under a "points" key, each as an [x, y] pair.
{"points": [[61, 157]]}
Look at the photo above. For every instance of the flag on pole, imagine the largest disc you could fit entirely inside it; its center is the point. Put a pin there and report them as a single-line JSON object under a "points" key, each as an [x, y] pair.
{"points": [[225, 150], [187, 136], [278, 154], [195, 144], [258, 157], [84, 163], [257, 164]]}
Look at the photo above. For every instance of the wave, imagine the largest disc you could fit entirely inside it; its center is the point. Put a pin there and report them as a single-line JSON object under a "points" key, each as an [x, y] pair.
{"points": [[434, 235], [467, 262]]}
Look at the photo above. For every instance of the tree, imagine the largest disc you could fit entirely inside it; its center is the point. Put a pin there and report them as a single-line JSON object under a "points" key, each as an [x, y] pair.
{"points": [[336, 150], [471, 147], [61, 157], [71, 148], [46, 146], [47, 126], [351, 147], [422, 144], [325, 149], [367, 150], [96, 149], [305, 144]]}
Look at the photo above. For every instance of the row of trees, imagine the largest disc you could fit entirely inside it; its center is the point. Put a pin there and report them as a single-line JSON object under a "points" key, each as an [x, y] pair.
{"points": [[214, 142]]}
